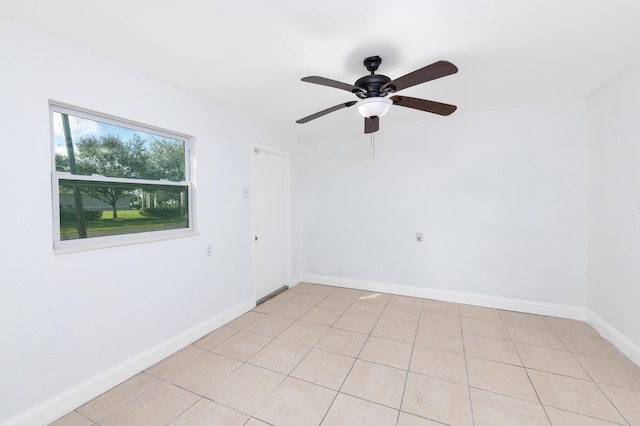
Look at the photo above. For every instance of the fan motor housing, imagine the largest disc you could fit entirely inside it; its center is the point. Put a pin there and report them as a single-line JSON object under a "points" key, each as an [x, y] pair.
{"points": [[372, 84]]}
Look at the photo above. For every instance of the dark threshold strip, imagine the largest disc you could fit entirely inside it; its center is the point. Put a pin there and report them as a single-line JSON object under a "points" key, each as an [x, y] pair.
{"points": [[272, 295]]}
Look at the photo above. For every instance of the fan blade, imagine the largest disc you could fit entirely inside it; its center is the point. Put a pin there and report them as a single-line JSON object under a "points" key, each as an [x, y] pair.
{"points": [[333, 83], [424, 105], [428, 73], [371, 124], [326, 111]]}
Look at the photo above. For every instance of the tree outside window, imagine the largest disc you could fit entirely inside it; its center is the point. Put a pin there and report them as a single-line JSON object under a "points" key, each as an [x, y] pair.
{"points": [[116, 178]]}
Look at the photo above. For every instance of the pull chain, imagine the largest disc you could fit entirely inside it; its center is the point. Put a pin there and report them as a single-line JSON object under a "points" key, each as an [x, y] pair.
{"points": [[373, 144]]}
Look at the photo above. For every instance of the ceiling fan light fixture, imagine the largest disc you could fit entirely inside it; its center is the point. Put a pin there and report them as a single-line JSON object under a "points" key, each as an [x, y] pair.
{"points": [[373, 107], [372, 90]]}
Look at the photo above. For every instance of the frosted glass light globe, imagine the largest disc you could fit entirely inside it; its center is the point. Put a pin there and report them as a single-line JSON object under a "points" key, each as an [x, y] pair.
{"points": [[373, 107]]}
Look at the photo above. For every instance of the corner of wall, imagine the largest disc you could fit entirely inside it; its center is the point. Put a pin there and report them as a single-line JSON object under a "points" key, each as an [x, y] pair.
{"points": [[619, 340]]}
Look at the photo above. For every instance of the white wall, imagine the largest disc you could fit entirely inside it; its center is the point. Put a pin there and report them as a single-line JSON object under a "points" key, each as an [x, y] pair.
{"points": [[500, 197], [614, 206], [65, 319]]}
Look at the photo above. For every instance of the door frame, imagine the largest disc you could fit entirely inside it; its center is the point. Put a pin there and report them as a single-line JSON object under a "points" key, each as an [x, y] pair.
{"points": [[287, 213]]}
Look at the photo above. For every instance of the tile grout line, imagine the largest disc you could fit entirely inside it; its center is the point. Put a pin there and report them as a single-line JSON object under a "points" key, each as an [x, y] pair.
{"points": [[288, 375], [572, 353], [526, 371], [346, 375], [413, 346], [357, 357], [315, 347], [592, 380], [466, 366]]}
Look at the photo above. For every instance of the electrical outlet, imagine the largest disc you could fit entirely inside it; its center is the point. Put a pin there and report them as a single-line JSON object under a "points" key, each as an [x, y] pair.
{"points": [[208, 250]]}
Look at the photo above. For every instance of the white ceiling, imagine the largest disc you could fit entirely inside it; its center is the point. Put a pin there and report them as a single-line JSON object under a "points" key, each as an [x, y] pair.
{"points": [[251, 54]]}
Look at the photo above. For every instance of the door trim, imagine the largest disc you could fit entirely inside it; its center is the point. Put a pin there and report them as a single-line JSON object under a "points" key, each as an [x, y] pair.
{"points": [[287, 213]]}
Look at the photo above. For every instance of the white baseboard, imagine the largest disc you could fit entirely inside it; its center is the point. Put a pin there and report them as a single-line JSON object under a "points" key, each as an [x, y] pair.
{"points": [[616, 338], [511, 304], [71, 399], [605, 329]]}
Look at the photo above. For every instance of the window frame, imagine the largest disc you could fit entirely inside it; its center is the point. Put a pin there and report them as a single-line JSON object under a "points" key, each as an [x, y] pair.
{"points": [[61, 246]]}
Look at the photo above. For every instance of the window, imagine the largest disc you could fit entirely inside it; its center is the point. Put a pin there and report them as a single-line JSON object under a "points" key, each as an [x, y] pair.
{"points": [[116, 182]]}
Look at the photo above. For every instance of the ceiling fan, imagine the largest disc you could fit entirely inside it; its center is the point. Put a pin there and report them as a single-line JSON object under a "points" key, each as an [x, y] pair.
{"points": [[373, 89]]}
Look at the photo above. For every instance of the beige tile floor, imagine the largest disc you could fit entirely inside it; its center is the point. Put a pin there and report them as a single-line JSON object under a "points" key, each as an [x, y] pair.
{"points": [[320, 355]]}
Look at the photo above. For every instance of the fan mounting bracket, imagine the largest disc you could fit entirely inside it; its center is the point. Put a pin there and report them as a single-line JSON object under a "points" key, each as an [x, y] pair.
{"points": [[372, 63]]}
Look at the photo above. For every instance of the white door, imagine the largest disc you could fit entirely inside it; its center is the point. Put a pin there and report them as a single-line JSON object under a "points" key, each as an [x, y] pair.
{"points": [[269, 221]]}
